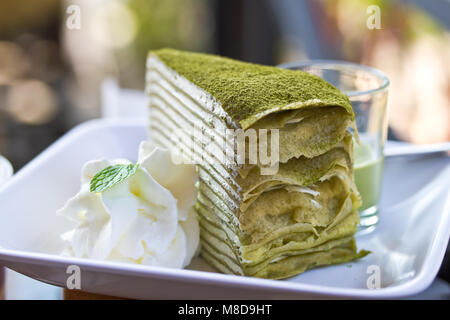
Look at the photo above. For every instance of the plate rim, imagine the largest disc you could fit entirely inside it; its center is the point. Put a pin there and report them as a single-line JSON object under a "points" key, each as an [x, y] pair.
{"points": [[418, 283]]}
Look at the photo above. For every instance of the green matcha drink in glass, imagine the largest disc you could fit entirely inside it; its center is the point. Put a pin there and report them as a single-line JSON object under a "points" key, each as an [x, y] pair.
{"points": [[367, 89]]}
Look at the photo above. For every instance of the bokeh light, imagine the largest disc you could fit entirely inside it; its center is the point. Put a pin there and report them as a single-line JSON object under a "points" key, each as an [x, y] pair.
{"points": [[31, 102]]}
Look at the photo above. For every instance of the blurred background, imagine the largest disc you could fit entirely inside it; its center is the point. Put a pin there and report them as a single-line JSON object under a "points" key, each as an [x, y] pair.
{"points": [[55, 55]]}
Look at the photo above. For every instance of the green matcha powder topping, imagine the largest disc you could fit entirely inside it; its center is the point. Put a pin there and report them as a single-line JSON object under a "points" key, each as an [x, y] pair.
{"points": [[249, 91]]}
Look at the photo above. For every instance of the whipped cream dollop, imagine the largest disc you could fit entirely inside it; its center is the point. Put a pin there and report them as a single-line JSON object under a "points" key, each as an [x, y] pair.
{"points": [[145, 219]]}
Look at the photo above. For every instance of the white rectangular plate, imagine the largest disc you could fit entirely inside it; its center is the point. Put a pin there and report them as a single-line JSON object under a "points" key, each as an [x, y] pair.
{"points": [[407, 246]]}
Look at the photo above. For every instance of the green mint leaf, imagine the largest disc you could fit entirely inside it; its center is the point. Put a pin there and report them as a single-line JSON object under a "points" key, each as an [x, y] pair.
{"points": [[111, 176]]}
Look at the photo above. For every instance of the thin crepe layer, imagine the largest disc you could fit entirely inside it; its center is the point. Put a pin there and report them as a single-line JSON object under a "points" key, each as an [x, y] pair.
{"points": [[214, 237], [298, 236], [283, 207], [290, 266]]}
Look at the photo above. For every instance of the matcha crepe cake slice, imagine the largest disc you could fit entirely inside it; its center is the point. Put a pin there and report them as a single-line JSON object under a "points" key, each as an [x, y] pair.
{"points": [[300, 214]]}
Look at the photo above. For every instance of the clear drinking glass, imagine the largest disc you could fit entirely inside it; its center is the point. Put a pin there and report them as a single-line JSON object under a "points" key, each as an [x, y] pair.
{"points": [[367, 89]]}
